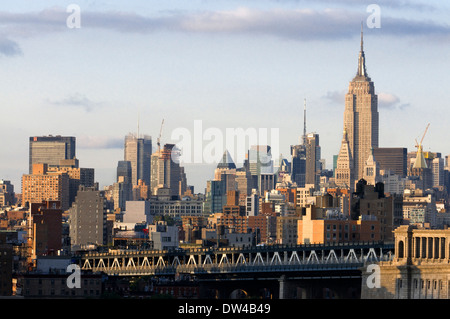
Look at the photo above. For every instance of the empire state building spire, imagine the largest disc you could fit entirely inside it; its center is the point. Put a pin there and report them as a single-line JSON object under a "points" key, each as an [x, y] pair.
{"points": [[362, 59]]}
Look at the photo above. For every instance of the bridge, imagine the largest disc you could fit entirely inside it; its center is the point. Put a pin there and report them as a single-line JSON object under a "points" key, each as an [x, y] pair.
{"points": [[274, 266], [272, 258]]}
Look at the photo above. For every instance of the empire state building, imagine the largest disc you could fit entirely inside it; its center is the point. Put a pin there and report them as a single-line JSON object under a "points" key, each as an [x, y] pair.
{"points": [[361, 116]]}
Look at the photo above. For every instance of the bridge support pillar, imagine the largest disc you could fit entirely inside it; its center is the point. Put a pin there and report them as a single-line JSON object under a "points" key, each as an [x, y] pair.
{"points": [[283, 288]]}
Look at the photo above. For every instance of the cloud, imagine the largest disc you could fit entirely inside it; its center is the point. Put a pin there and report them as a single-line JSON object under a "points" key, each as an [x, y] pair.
{"points": [[76, 100], [99, 142], [401, 4], [9, 48], [298, 24], [337, 97], [390, 101], [386, 101]]}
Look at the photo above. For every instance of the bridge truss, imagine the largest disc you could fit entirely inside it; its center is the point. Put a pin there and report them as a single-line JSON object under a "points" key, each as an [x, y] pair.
{"points": [[277, 258]]}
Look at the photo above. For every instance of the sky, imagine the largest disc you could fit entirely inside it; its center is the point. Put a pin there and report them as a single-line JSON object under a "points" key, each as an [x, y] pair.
{"points": [[223, 63]]}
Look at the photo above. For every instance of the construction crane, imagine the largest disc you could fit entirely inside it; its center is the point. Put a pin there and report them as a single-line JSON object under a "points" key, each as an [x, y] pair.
{"points": [[158, 142], [419, 145]]}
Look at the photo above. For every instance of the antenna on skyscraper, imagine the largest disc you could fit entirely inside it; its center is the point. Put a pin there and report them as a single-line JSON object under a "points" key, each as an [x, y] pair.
{"points": [[304, 121], [138, 126]]}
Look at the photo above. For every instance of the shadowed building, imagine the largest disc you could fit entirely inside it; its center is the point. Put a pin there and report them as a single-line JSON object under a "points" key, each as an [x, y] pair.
{"points": [[393, 159], [87, 218]]}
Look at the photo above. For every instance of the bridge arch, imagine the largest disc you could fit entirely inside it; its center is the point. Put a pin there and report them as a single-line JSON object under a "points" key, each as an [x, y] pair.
{"points": [[239, 293]]}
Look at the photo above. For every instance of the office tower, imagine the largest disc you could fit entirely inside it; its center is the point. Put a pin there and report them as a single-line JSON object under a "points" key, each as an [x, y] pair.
{"points": [[122, 189], [437, 170], [260, 166], [166, 173], [87, 219], [298, 165], [216, 196], [393, 159], [260, 159], [182, 183], [243, 182], [343, 174], [43, 185], [124, 170], [361, 116], [312, 163], [266, 182], [138, 151], [50, 150]]}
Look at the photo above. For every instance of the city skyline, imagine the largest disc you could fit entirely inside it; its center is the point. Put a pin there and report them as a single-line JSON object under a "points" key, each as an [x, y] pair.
{"points": [[230, 64]]}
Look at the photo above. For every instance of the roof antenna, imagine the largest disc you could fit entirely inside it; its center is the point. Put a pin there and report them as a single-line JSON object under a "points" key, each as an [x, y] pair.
{"points": [[138, 126], [304, 121]]}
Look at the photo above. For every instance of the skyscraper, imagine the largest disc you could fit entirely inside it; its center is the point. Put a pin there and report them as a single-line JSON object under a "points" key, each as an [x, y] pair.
{"points": [[166, 173], [124, 172], [260, 167], [50, 150], [313, 165], [138, 151], [361, 116]]}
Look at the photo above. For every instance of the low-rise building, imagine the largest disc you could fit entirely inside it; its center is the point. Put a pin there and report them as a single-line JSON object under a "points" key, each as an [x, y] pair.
{"points": [[324, 226]]}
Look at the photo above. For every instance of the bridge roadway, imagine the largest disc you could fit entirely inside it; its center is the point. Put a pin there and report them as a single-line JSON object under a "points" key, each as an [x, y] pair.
{"points": [[238, 261]]}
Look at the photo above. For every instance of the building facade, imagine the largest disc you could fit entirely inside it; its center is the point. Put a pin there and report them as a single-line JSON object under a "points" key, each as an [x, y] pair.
{"points": [[50, 149], [43, 185], [87, 219], [419, 270]]}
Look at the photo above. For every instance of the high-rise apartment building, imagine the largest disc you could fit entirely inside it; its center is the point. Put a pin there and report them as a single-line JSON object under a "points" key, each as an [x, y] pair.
{"points": [[43, 185], [50, 149], [46, 228], [361, 116], [87, 218], [138, 151]]}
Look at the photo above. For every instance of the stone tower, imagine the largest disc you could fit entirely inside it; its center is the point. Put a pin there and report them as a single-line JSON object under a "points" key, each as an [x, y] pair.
{"points": [[344, 165]]}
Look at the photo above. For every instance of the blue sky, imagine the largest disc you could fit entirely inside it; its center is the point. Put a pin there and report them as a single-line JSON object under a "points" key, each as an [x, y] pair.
{"points": [[228, 63]]}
